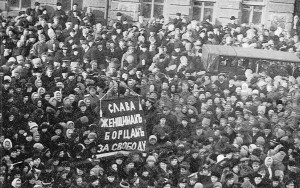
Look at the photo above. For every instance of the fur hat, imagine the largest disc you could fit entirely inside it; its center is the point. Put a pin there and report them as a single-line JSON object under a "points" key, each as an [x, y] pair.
{"points": [[246, 171], [244, 151], [260, 141], [92, 135], [97, 170], [84, 119], [217, 185], [9, 141], [33, 125], [239, 141], [38, 146], [261, 108], [151, 158], [268, 161], [278, 157], [254, 158], [152, 137], [185, 165], [280, 133]]}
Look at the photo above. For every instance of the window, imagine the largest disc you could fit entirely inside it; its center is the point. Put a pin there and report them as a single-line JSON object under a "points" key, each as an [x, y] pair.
{"points": [[67, 4], [252, 11], [251, 1], [153, 8], [19, 4], [203, 9]]}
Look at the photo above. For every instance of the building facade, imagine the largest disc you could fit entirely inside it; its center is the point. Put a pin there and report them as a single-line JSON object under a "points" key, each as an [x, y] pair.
{"points": [[271, 13]]}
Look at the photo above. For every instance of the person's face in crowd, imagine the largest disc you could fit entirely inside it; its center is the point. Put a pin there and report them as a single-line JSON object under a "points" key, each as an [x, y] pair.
{"points": [[218, 110], [58, 94], [230, 181], [7, 52], [148, 104], [61, 154], [202, 97], [209, 102], [236, 169], [42, 91], [37, 162], [238, 90], [18, 183], [233, 99], [274, 118], [231, 119], [257, 180], [228, 99], [68, 25], [35, 96], [255, 166], [88, 102], [270, 113], [29, 138], [217, 133], [255, 130], [57, 131], [174, 161], [279, 107], [67, 101], [11, 118], [297, 141], [10, 33], [251, 119], [83, 108], [166, 111], [162, 121], [39, 104], [267, 131], [6, 144], [79, 181], [4, 24], [228, 40], [228, 107], [193, 181]]}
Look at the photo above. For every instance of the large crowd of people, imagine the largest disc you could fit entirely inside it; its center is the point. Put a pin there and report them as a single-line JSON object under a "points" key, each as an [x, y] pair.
{"points": [[205, 129]]}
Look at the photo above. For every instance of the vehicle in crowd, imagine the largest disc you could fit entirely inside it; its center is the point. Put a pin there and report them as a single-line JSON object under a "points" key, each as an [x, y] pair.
{"points": [[230, 59]]}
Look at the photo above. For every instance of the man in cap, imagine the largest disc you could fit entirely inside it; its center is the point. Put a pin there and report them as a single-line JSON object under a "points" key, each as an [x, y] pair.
{"points": [[74, 9], [37, 11], [59, 14], [178, 20], [39, 47], [232, 24], [206, 23], [93, 97], [150, 113], [144, 57]]}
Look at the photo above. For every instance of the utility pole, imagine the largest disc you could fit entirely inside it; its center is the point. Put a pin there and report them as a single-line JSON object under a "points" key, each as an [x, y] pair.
{"points": [[1, 99]]}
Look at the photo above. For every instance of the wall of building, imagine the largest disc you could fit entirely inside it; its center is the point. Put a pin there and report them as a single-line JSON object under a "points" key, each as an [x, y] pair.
{"points": [[98, 7], [280, 13], [276, 12], [225, 9], [130, 8]]}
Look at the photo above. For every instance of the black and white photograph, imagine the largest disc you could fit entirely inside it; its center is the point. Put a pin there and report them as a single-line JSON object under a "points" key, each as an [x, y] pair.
{"points": [[150, 94]]}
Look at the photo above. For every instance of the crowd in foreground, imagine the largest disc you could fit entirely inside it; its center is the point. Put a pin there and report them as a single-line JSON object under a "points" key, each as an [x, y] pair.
{"points": [[206, 130]]}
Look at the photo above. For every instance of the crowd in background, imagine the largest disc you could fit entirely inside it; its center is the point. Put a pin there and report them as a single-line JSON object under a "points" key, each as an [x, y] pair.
{"points": [[206, 129]]}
